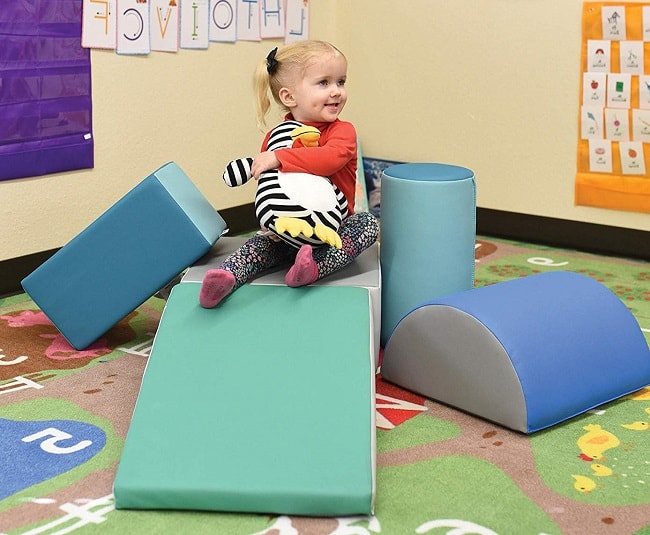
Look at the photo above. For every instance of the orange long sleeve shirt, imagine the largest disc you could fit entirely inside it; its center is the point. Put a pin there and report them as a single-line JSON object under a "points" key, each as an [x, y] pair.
{"points": [[335, 157]]}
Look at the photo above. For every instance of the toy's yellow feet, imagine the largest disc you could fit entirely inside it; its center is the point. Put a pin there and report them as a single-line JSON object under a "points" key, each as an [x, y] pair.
{"points": [[328, 236], [293, 227]]}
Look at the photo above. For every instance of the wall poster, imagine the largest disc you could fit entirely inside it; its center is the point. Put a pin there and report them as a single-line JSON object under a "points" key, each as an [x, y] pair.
{"points": [[45, 89], [613, 168]]}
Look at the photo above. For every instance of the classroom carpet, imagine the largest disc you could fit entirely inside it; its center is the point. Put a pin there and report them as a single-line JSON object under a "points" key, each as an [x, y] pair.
{"points": [[439, 470]]}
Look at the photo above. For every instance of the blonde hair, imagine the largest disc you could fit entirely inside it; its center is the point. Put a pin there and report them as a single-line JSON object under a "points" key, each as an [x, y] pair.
{"points": [[292, 60]]}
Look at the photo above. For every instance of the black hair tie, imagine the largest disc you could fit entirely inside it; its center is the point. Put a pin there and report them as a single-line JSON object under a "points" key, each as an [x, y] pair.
{"points": [[271, 62]]}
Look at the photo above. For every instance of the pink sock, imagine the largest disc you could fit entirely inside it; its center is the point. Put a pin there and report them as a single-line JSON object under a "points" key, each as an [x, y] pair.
{"points": [[304, 270], [217, 284]]}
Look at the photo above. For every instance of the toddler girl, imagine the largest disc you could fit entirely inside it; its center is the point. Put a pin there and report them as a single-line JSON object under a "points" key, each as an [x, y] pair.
{"points": [[307, 79]]}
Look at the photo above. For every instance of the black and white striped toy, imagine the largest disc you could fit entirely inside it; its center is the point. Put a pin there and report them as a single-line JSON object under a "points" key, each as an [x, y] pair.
{"points": [[300, 208]]}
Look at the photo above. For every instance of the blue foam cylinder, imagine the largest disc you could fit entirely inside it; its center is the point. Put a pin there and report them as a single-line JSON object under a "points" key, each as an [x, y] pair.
{"points": [[428, 231]]}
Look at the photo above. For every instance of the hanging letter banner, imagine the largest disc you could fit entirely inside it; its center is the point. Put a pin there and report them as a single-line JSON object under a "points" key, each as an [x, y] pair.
{"points": [[45, 91], [613, 168]]}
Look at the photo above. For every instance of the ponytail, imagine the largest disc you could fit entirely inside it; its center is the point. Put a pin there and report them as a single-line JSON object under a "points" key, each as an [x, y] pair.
{"points": [[262, 87]]}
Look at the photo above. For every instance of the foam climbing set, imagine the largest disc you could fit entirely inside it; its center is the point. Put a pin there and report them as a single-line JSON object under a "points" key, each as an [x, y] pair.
{"points": [[132, 250], [273, 410]]}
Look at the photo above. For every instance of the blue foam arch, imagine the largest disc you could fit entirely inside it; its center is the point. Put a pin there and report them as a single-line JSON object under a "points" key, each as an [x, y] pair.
{"points": [[526, 353]]}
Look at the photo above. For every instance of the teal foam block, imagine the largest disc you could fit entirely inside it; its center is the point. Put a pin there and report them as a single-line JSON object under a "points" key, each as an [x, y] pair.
{"points": [[526, 353], [428, 232], [138, 245], [263, 404]]}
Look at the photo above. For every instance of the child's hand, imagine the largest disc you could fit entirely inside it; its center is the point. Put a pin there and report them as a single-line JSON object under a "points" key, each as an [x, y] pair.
{"points": [[264, 161]]}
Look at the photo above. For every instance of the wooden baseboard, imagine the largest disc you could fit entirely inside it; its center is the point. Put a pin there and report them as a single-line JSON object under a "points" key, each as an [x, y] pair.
{"points": [[14, 270], [587, 237]]}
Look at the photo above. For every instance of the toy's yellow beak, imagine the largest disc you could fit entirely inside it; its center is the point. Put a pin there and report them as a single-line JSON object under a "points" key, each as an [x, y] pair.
{"points": [[308, 135]]}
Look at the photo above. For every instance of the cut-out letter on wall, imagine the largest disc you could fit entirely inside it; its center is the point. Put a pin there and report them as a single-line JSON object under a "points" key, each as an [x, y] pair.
{"points": [[297, 22], [133, 27], [194, 24], [248, 20], [164, 25], [223, 20], [272, 19], [99, 24]]}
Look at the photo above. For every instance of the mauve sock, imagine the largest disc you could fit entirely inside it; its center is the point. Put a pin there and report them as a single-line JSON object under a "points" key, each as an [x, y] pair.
{"points": [[304, 270], [217, 284]]}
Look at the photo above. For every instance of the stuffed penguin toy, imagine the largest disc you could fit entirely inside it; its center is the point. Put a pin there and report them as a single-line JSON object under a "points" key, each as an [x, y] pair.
{"points": [[299, 208]]}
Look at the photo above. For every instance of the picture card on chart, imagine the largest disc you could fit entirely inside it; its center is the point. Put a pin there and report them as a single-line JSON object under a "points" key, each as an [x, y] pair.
{"points": [[619, 90], [594, 86], [599, 56], [646, 23], [631, 56], [644, 92], [632, 161], [591, 122], [600, 156], [617, 124], [613, 18], [641, 125]]}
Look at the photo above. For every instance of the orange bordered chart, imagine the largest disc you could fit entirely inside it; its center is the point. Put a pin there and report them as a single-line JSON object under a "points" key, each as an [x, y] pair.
{"points": [[613, 168]]}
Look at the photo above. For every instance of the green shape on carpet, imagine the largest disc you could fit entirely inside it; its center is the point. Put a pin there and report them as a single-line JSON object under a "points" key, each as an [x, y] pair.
{"points": [[262, 404], [453, 494], [616, 437], [419, 430], [169, 522]]}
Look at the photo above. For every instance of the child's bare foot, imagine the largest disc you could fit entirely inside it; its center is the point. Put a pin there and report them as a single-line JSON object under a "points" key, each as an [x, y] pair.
{"points": [[304, 270], [217, 284]]}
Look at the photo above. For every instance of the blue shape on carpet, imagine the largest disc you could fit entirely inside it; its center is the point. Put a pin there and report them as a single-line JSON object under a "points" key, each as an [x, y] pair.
{"points": [[35, 451]]}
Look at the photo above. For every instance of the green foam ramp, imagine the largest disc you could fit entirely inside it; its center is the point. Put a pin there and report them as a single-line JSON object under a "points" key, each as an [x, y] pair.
{"points": [[263, 404]]}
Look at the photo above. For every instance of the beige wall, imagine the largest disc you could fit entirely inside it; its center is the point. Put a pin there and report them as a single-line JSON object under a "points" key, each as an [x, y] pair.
{"points": [[492, 86]]}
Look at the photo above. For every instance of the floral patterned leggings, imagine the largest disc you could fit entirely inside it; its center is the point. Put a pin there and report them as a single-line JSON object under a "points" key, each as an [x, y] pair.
{"points": [[358, 232]]}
